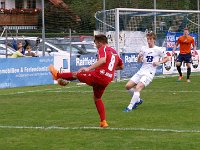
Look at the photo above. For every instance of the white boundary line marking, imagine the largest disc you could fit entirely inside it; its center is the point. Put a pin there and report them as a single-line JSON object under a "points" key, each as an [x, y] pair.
{"points": [[82, 84], [44, 90], [56, 90], [98, 128]]}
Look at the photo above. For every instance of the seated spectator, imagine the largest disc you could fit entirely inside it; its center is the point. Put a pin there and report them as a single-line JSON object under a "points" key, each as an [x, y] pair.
{"points": [[18, 53], [19, 45], [29, 52]]}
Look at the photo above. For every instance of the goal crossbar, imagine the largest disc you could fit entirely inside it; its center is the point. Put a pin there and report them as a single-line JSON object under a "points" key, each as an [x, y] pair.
{"points": [[157, 10]]}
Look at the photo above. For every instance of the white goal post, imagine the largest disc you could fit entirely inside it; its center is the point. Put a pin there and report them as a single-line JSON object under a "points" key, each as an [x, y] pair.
{"points": [[153, 12], [127, 22]]}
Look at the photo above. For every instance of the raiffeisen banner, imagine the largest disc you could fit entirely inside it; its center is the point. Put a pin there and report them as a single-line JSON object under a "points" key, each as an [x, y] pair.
{"points": [[79, 61], [131, 66]]}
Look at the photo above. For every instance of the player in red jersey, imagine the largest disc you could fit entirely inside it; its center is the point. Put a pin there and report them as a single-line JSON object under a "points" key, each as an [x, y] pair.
{"points": [[98, 75]]}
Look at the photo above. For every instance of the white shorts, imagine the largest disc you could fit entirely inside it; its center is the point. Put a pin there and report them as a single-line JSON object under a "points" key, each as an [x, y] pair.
{"points": [[146, 80]]}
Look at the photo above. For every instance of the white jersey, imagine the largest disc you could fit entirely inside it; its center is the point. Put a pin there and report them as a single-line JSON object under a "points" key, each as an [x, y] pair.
{"points": [[150, 55]]}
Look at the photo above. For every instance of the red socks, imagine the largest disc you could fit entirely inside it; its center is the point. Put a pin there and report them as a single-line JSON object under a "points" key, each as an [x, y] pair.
{"points": [[99, 103], [101, 110], [67, 76]]}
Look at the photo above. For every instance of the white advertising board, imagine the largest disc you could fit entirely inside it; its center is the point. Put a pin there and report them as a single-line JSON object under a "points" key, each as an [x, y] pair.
{"points": [[170, 66]]}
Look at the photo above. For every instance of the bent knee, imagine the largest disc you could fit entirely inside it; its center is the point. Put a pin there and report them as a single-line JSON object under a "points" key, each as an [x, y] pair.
{"points": [[128, 86], [74, 75], [178, 64], [188, 65]]}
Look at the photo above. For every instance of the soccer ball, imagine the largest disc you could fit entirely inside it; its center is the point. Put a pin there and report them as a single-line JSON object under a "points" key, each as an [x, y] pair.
{"points": [[195, 63], [168, 65], [62, 82]]}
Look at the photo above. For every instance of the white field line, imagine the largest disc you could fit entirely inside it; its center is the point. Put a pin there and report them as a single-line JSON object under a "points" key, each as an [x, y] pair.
{"points": [[44, 90], [98, 128], [82, 84], [157, 91], [65, 90]]}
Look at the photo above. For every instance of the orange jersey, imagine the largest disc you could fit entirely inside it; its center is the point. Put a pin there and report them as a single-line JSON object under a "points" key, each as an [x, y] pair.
{"points": [[185, 44]]}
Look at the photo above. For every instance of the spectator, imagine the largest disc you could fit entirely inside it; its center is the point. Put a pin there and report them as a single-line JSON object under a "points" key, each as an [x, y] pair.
{"points": [[29, 52], [19, 45], [18, 53]]}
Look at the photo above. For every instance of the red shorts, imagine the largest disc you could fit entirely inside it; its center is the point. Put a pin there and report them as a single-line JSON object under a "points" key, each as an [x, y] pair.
{"points": [[99, 85]]}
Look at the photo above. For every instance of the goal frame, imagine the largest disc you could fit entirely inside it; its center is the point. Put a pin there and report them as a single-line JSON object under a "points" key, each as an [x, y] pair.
{"points": [[117, 28]]}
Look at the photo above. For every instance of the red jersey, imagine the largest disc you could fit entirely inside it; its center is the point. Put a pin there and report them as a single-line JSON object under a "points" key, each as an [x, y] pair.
{"points": [[107, 70], [185, 44]]}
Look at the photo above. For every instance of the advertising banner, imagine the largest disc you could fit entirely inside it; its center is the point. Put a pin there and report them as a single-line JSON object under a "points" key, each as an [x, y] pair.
{"points": [[15, 72], [131, 66], [130, 63], [172, 37], [62, 64], [170, 66], [77, 62]]}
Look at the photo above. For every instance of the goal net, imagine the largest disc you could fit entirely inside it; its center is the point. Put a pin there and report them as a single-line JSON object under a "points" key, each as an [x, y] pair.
{"points": [[126, 29]]}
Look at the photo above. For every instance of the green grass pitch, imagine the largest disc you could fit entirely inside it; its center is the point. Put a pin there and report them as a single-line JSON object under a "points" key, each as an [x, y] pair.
{"points": [[65, 118]]}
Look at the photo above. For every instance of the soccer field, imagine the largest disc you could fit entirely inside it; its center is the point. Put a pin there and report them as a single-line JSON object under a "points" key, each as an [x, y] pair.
{"points": [[65, 118]]}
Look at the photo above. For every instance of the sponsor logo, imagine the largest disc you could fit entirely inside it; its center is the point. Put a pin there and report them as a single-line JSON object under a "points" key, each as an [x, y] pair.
{"points": [[85, 61], [168, 64], [132, 58], [195, 59]]}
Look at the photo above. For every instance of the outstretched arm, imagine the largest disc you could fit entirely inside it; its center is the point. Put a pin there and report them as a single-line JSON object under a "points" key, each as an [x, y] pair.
{"points": [[140, 57], [164, 60], [119, 67], [194, 46], [174, 49]]}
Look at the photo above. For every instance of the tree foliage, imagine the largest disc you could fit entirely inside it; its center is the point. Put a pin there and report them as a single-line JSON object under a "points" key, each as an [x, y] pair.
{"points": [[57, 18]]}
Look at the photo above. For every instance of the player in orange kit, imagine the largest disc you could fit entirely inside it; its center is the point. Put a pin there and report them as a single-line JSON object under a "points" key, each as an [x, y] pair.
{"points": [[185, 41]]}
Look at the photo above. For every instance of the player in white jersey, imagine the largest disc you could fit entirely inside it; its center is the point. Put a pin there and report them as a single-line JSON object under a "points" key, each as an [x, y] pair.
{"points": [[151, 56]]}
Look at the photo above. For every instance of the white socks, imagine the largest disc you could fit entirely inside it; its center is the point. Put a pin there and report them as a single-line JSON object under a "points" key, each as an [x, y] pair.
{"points": [[135, 98]]}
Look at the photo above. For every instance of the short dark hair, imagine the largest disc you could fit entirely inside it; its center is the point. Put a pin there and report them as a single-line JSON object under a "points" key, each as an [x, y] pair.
{"points": [[20, 42], [101, 38], [152, 34], [186, 28], [28, 47]]}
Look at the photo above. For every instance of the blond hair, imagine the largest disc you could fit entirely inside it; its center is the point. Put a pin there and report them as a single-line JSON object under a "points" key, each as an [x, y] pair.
{"points": [[151, 34]]}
